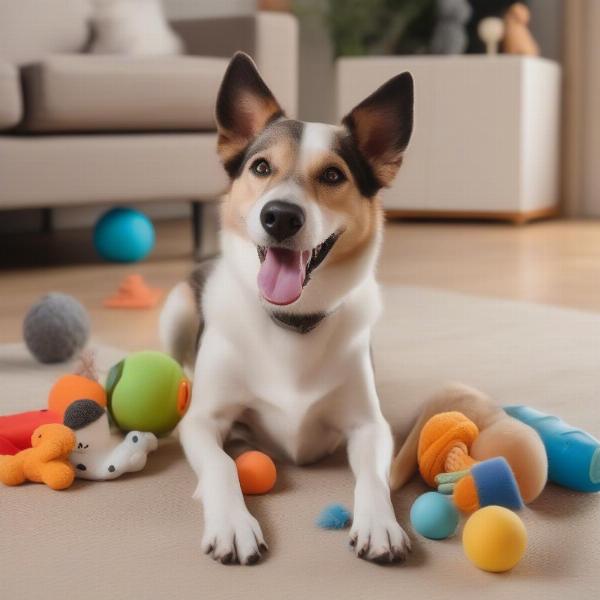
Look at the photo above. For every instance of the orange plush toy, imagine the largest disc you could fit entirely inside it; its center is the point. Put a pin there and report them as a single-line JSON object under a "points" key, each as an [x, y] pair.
{"points": [[444, 445], [47, 461]]}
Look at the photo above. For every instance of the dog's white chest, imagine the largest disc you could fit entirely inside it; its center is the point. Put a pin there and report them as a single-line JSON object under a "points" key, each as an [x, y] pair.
{"points": [[291, 387]]}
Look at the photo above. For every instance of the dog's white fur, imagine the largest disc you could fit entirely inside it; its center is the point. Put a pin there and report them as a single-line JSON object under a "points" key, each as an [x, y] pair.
{"points": [[300, 395]]}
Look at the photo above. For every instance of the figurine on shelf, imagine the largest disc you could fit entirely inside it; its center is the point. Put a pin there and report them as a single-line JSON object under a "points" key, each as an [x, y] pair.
{"points": [[490, 31], [517, 37], [449, 35]]}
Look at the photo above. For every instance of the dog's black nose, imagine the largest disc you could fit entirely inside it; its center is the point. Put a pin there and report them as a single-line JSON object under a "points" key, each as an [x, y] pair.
{"points": [[281, 219]]}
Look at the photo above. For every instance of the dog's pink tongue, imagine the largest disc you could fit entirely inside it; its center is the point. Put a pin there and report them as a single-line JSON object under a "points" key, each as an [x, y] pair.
{"points": [[281, 275]]}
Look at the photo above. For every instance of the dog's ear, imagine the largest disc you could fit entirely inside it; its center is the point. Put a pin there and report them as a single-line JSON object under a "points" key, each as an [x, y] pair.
{"points": [[245, 105], [381, 126]]}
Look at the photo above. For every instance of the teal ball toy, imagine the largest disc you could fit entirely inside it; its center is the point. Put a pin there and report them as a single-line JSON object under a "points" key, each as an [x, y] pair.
{"points": [[124, 235], [434, 516], [147, 391]]}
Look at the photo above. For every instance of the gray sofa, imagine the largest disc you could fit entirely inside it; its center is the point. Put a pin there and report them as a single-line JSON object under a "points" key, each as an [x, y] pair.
{"points": [[78, 128]]}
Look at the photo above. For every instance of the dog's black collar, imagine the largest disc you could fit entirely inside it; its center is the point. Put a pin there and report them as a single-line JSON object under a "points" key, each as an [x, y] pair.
{"points": [[298, 322]]}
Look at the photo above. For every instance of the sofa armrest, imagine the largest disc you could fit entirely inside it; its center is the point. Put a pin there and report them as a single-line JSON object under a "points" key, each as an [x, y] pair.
{"points": [[271, 38]]}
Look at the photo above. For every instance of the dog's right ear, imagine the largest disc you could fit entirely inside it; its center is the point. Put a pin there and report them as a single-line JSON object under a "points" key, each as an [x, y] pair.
{"points": [[245, 105]]}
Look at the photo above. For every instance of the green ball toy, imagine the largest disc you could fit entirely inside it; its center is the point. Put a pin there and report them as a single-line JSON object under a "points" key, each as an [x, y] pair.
{"points": [[147, 391]]}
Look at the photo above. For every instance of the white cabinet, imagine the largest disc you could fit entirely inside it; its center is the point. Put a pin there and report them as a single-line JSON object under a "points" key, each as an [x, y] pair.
{"points": [[486, 135]]}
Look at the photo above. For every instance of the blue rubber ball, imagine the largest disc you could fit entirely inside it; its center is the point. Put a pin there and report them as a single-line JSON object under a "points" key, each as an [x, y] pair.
{"points": [[434, 516], [124, 235]]}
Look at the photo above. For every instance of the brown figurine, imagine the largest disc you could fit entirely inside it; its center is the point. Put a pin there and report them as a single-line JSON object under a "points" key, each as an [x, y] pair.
{"points": [[517, 37]]}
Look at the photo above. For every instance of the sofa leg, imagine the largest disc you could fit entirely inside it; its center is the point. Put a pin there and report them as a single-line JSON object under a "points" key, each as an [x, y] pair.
{"points": [[205, 229], [46, 224]]}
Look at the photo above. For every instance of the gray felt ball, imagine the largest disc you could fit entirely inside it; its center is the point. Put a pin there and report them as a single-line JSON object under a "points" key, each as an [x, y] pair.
{"points": [[56, 328]]}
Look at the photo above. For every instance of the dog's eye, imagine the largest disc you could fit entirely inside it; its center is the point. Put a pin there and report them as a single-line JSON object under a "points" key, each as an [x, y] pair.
{"points": [[261, 167], [332, 176]]}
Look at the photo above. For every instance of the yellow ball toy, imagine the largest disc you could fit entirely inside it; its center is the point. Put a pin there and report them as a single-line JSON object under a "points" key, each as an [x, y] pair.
{"points": [[494, 539]]}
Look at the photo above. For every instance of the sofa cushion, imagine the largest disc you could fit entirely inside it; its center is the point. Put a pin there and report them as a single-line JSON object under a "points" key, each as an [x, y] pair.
{"points": [[110, 93], [32, 29], [11, 105]]}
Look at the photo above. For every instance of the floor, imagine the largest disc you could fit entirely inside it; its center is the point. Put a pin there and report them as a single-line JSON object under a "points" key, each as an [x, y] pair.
{"points": [[552, 262]]}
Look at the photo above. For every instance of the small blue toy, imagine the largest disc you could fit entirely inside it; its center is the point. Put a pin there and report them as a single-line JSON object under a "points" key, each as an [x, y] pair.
{"points": [[334, 516], [487, 483], [573, 454], [434, 516], [124, 235]]}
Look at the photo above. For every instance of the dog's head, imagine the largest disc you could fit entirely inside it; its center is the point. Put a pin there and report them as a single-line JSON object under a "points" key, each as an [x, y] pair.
{"points": [[302, 221]]}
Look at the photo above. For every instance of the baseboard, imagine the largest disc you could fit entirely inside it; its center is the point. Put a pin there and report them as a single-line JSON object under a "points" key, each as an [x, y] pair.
{"points": [[517, 218]]}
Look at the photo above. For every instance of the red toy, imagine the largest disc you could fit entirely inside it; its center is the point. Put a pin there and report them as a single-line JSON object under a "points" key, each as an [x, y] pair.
{"points": [[16, 430]]}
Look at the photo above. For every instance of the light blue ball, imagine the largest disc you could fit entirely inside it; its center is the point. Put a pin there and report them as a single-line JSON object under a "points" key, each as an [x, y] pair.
{"points": [[434, 516], [124, 235]]}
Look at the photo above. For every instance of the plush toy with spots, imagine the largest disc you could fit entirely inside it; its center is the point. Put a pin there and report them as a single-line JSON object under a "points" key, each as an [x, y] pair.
{"points": [[98, 454]]}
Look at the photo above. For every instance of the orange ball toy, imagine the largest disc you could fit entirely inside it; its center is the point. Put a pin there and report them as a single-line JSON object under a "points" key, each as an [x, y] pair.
{"points": [[256, 472], [74, 387]]}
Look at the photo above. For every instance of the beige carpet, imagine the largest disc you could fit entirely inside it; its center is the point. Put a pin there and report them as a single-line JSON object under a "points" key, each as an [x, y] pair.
{"points": [[138, 537]]}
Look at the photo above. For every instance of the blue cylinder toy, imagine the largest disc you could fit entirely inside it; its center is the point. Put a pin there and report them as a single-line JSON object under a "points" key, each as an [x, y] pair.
{"points": [[573, 454], [124, 235]]}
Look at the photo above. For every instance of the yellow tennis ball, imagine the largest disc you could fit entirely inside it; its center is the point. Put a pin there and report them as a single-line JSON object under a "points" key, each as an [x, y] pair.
{"points": [[494, 539]]}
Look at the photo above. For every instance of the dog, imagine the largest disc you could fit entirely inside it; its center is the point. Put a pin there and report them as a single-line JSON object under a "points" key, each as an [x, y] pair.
{"points": [[279, 326]]}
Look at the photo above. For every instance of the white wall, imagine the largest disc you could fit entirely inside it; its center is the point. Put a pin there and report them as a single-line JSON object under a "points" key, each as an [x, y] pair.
{"points": [[590, 205], [546, 23]]}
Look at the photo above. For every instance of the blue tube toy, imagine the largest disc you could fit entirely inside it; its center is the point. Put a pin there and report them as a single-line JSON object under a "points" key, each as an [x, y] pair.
{"points": [[573, 454]]}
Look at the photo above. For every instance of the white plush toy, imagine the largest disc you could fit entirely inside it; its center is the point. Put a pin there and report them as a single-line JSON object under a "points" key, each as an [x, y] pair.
{"points": [[99, 454], [132, 28]]}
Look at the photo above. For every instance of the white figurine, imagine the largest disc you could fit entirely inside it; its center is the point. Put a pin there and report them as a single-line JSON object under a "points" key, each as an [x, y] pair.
{"points": [[99, 454], [491, 32]]}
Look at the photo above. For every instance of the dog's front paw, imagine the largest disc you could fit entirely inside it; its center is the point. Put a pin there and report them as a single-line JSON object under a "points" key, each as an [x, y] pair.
{"points": [[234, 538], [379, 539]]}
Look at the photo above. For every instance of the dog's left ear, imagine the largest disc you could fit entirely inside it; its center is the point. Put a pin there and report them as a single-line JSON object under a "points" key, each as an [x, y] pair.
{"points": [[381, 126], [245, 105]]}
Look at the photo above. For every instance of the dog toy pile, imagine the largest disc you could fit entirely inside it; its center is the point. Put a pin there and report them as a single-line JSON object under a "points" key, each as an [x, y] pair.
{"points": [[494, 538], [76, 432]]}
